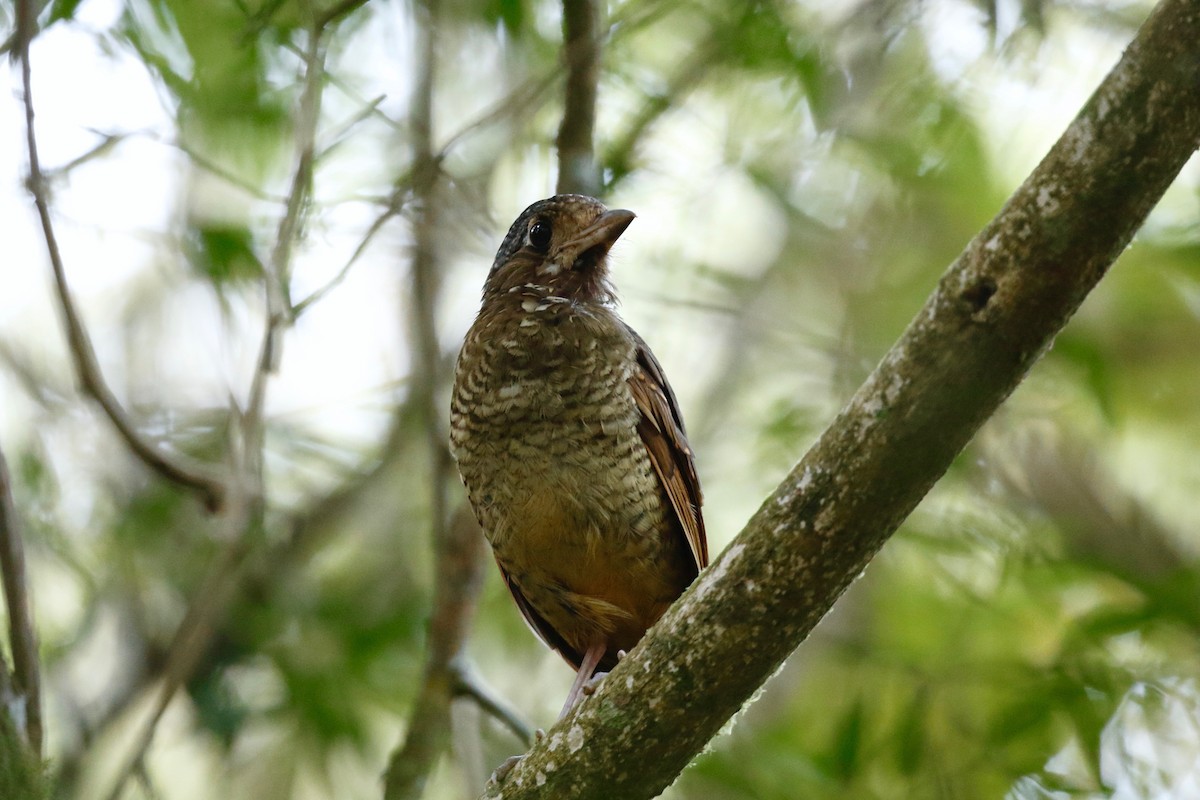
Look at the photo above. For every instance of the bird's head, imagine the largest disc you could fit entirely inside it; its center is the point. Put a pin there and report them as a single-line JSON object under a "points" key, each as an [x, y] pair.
{"points": [[561, 245]]}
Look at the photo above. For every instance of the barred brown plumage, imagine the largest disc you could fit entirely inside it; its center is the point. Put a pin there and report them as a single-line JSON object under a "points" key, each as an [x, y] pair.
{"points": [[570, 442]]}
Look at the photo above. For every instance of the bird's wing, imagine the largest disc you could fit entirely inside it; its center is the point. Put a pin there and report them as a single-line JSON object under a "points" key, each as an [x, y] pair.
{"points": [[661, 429], [538, 624]]}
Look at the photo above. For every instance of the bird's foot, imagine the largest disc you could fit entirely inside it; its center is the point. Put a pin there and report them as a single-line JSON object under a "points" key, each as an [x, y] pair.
{"points": [[500, 773], [593, 683]]}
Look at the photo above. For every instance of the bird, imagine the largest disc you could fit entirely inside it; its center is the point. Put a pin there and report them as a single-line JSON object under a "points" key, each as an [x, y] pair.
{"points": [[570, 443]]}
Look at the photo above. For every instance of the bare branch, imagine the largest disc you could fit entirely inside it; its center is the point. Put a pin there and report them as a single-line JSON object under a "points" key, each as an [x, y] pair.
{"points": [[278, 275], [457, 543], [21, 635], [27, 26], [468, 683], [525, 99], [991, 317], [577, 170], [335, 12], [459, 566], [225, 174], [342, 131], [107, 143], [175, 467], [392, 210]]}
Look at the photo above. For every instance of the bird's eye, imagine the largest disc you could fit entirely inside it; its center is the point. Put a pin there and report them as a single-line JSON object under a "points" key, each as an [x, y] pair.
{"points": [[539, 234]]}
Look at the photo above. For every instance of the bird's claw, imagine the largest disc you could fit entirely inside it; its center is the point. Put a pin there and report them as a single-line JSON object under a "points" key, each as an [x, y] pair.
{"points": [[500, 774], [593, 683]]}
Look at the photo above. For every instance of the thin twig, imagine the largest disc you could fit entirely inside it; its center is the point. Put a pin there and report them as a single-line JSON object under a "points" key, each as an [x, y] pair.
{"points": [[349, 92], [278, 274], [393, 209], [522, 101], [175, 467], [22, 638], [468, 683], [43, 388], [337, 11], [229, 176], [577, 170], [107, 142], [341, 132], [13, 42], [459, 565]]}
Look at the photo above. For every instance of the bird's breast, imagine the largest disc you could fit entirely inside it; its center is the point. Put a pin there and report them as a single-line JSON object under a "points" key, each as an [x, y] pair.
{"points": [[544, 429]]}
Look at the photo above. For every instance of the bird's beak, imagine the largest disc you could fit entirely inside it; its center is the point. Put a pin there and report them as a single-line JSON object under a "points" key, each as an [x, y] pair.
{"points": [[597, 238]]}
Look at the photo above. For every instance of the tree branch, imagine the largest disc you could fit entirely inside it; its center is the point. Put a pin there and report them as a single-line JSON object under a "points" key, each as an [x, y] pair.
{"points": [[577, 170], [174, 467], [26, 684], [992, 315], [458, 580], [457, 544], [394, 207], [467, 683]]}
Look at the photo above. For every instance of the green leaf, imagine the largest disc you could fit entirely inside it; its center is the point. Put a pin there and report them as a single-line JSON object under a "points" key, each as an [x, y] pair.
{"points": [[511, 14], [910, 735], [63, 9], [847, 743], [223, 253]]}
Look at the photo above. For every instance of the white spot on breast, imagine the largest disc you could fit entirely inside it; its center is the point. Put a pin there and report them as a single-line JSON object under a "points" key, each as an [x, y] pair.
{"points": [[529, 305], [510, 391]]}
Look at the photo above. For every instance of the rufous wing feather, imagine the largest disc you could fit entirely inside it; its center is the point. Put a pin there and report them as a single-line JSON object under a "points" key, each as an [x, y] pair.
{"points": [[662, 431]]}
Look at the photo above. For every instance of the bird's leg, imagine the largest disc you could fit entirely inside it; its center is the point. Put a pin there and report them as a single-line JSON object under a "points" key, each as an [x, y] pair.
{"points": [[591, 660], [593, 683]]}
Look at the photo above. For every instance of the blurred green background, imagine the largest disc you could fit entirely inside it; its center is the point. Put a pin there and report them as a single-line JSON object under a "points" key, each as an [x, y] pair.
{"points": [[803, 172]]}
